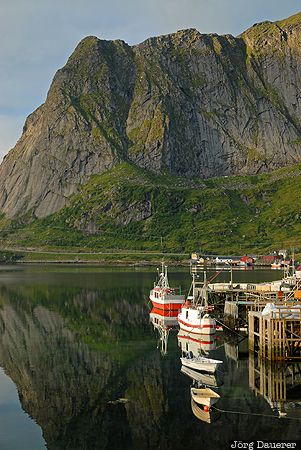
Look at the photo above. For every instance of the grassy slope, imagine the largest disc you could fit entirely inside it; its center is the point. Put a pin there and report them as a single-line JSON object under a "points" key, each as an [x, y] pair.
{"points": [[234, 214]]}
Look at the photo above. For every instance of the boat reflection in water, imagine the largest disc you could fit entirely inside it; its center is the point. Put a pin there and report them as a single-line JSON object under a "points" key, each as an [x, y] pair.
{"points": [[207, 379], [278, 383], [163, 321], [204, 413], [198, 345], [203, 397], [194, 348]]}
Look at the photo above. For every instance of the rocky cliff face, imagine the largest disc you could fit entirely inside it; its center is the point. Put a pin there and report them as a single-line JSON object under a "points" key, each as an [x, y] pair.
{"points": [[190, 104]]}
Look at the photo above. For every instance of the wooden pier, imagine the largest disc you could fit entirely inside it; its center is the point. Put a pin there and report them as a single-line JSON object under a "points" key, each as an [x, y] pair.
{"points": [[236, 311], [276, 336], [254, 297]]}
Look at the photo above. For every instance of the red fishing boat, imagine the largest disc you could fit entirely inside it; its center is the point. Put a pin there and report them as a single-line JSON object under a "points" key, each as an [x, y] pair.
{"points": [[165, 297]]}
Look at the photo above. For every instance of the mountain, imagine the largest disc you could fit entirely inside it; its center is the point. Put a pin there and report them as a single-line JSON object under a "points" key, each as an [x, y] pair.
{"points": [[187, 104]]}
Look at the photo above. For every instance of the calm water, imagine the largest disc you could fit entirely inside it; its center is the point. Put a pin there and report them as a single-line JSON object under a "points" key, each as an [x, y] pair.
{"points": [[81, 369]]}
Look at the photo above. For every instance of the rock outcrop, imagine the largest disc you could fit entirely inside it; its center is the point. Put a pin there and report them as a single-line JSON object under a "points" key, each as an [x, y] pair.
{"points": [[186, 103]]}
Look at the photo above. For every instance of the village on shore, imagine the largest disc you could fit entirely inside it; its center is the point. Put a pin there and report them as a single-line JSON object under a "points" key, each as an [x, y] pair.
{"points": [[275, 260]]}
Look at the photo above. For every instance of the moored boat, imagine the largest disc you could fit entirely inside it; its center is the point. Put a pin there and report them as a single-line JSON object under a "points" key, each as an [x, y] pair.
{"points": [[196, 319], [194, 316], [163, 296], [201, 363], [276, 265]]}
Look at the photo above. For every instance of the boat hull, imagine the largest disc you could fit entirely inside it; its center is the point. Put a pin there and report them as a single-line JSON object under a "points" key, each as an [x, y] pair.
{"points": [[167, 304], [205, 326], [206, 366], [167, 313], [196, 320]]}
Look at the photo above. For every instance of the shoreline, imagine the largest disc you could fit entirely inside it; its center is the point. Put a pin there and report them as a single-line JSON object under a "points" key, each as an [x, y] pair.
{"points": [[154, 263], [108, 257]]}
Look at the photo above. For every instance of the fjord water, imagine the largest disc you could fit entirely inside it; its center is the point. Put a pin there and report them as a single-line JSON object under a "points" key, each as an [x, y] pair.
{"points": [[81, 368]]}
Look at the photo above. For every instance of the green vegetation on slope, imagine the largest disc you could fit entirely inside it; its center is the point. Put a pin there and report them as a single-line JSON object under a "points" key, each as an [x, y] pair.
{"points": [[290, 21], [9, 257], [129, 208]]}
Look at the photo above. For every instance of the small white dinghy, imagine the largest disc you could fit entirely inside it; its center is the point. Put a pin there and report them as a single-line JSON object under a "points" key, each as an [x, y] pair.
{"points": [[204, 396], [201, 363]]}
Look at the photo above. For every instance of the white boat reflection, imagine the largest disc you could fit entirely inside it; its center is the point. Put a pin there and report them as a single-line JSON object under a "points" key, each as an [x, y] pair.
{"points": [[188, 342], [163, 321], [204, 413], [204, 396], [206, 379]]}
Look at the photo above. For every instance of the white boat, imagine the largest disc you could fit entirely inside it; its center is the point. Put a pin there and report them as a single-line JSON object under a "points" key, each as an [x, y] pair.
{"points": [[196, 319], [204, 396], [201, 363], [163, 296], [194, 316], [276, 265]]}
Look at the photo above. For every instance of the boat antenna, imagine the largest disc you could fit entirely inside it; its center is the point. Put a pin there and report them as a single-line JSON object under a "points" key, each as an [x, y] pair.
{"points": [[193, 287], [205, 290], [166, 283]]}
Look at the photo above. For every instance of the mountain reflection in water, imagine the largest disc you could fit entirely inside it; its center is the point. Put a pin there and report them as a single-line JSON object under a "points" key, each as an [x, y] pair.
{"points": [[82, 354]]}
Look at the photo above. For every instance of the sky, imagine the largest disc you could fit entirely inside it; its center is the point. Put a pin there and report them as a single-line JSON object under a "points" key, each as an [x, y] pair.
{"points": [[37, 37]]}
